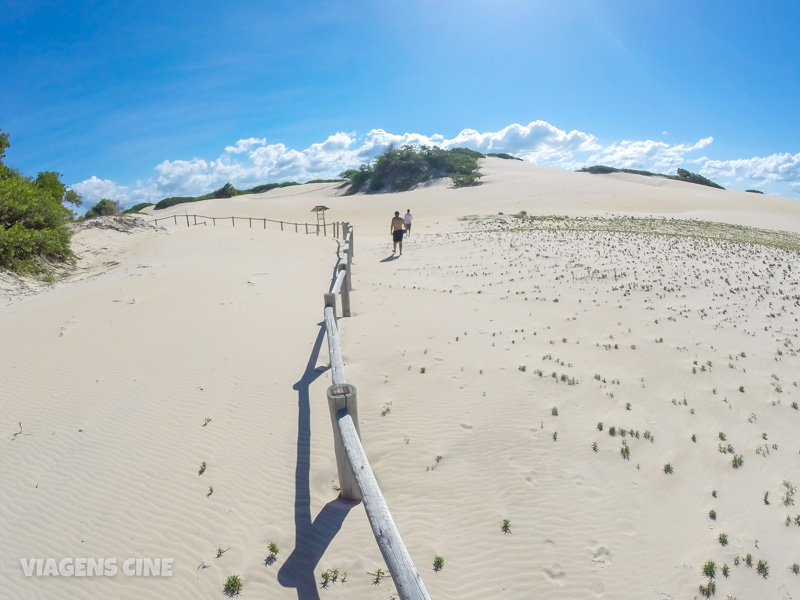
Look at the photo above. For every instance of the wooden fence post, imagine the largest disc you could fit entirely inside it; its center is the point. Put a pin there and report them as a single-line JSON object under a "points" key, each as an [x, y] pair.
{"points": [[215, 221], [344, 397], [348, 274], [345, 294], [349, 229], [251, 222], [281, 225], [233, 221], [195, 219], [330, 300], [176, 219]]}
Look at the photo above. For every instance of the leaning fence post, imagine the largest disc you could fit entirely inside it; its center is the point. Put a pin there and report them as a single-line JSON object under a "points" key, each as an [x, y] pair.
{"points": [[345, 293], [344, 397]]}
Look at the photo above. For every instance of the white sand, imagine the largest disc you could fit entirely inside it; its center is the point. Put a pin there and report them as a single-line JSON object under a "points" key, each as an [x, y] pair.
{"points": [[111, 374]]}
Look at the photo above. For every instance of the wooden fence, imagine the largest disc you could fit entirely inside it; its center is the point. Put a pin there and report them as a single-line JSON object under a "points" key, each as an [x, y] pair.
{"points": [[307, 228], [356, 479]]}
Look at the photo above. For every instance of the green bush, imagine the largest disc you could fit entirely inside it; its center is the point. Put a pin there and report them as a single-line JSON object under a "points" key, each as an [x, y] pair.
{"points": [[226, 191], [683, 175], [137, 207], [103, 208], [400, 169], [32, 217], [503, 155]]}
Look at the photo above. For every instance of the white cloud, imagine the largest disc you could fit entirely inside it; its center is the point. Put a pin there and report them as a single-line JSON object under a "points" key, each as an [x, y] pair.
{"points": [[252, 161], [776, 167], [646, 155], [245, 145], [93, 190]]}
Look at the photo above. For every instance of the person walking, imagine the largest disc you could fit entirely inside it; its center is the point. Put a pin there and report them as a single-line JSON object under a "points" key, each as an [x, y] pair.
{"points": [[408, 219], [397, 232]]}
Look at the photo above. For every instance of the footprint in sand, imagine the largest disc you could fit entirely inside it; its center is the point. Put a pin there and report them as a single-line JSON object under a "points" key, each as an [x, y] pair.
{"points": [[466, 427], [555, 574], [67, 326], [601, 557]]}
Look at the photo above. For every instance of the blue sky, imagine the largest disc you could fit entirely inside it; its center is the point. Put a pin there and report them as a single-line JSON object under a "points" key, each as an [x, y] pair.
{"points": [[138, 100]]}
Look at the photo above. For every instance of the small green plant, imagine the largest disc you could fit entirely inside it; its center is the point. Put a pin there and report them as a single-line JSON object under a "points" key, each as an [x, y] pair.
{"points": [[438, 563], [422, 370], [726, 570], [668, 469], [555, 436], [741, 388], [766, 498], [748, 559], [207, 421], [210, 491], [554, 411], [594, 446], [220, 551], [625, 452], [713, 493], [600, 426], [795, 569], [788, 496], [612, 431], [762, 568], [378, 574], [722, 436], [326, 578], [712, 514], [709, 589], [273, 553], [233, 585], [710, 569], [202, 468], [737, 461], [627, 406], [522, 368], [694, 438], [723, 539], [506, 528]]}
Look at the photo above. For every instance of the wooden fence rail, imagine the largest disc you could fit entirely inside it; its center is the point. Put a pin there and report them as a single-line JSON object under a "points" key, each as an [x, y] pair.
{"points": [[356, 479], [336, 227]]}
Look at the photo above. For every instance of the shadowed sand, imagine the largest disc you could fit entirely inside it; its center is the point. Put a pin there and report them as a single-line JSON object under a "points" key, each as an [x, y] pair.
{"points": [[486, 358]]}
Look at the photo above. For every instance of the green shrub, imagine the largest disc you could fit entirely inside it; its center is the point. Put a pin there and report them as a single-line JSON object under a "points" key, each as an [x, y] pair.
{"points": [[400, 169], [33, 217], [103, 208], [136, 208], [503, 155], [683, 175]]}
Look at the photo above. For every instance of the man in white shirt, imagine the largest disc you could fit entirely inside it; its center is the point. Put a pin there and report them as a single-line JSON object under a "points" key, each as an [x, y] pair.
{"points": [[408, 218]]}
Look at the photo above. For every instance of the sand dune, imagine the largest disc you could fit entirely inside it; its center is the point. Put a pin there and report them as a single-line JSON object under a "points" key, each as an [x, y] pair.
{"points": [[486, 360]]}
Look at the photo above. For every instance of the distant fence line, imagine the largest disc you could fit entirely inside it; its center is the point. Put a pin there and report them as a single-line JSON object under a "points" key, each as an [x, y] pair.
{"points": [[191, 220], [356, 479]]}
